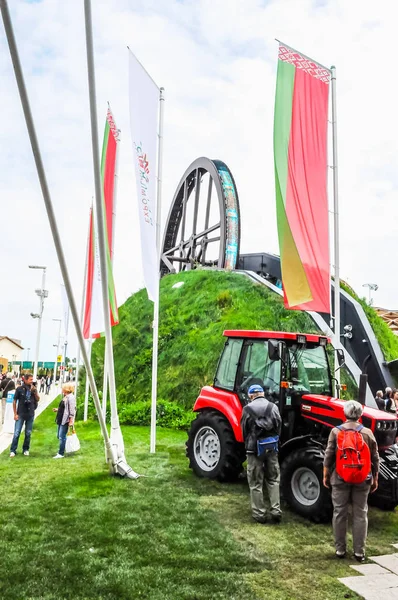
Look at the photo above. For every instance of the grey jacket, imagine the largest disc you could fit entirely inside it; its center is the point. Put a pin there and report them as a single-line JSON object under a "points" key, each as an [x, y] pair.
{"points": [[256, 424], [70, 409]]}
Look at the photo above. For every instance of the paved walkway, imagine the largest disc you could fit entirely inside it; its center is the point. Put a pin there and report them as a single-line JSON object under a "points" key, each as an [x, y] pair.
{"points": [[378, 581], [6, 438]]}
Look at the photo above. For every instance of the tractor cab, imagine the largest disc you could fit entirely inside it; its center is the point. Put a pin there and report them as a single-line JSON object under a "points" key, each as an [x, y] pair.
{"points": [[286, 365], [294, 371]]}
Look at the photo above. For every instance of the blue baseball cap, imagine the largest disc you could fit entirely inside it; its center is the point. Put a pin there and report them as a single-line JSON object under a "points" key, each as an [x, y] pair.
{"points": [[253, 389]]}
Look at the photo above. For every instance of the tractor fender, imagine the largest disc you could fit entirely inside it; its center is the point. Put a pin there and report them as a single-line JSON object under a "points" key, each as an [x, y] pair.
{"points": [[297, 442], [227, 403]]}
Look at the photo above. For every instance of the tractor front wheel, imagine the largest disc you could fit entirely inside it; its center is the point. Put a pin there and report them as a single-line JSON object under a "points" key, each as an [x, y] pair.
{"points": [[302, 487], [212, 449]]}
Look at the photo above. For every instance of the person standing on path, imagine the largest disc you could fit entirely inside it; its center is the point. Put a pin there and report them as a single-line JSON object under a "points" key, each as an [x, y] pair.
{"points": [[356, 494], [66, 413], [7, 385], [25, 403], [48, 385], [261, 426]]}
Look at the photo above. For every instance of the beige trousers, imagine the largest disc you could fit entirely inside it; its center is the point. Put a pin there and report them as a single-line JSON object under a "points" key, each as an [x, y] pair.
{"points": [[264, 471], [344, 495]]}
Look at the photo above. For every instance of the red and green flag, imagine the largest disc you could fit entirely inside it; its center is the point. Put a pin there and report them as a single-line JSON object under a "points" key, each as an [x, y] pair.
{"points": [[300, 155], [93, 325]]}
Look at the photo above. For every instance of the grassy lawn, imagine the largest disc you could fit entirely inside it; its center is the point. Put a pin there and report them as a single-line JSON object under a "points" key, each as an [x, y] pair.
{"points": [[69, 530]]}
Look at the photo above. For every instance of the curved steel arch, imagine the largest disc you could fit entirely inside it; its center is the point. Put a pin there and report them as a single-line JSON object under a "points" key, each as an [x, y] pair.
{"points": [[191, 248]]}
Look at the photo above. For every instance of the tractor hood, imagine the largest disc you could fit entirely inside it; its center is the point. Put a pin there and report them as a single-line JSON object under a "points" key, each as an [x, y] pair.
{"points": [[330, 411]]}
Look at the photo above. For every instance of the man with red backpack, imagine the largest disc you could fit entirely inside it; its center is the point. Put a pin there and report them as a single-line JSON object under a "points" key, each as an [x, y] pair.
{"points": [[351, 469]]}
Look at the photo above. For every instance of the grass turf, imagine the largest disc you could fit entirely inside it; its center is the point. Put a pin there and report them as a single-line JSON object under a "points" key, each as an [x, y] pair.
{"points": [[69, 530]]}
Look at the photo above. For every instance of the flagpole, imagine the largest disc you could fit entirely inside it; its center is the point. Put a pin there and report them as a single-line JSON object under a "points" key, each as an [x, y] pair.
{"points": [[86, 391], [82, 308], [336, 227], [116, 176], [116, 433], [115, 465], [157, 299]]}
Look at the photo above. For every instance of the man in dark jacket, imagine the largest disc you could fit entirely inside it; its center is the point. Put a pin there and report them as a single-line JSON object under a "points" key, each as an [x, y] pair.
{"points": [[261, 420], [25, 403]]}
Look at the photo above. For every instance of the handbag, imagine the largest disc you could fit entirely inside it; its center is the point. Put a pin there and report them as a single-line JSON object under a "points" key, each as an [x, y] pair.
{"points": [[2, 392], [72, 441]]}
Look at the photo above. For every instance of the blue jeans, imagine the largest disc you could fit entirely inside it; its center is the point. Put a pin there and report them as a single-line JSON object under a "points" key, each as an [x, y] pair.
{"points": [[28, 421], [61, 435]]}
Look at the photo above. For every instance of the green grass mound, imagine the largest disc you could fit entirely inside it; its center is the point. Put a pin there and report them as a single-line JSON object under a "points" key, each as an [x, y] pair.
{"points": [[192, 320]]}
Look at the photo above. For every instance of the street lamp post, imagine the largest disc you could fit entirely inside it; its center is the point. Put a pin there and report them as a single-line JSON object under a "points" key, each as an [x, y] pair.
{"points": [[57, 346], [373, 287], [28, 349], [42, 293]]}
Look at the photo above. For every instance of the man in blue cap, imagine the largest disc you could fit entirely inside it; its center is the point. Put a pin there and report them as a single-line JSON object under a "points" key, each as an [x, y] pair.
{"points": [[261, 426]]}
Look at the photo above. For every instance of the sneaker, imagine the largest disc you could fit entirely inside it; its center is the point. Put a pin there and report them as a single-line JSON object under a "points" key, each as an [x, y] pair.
{"points": [[26, 453], [12, 454], [276, 519], [58, 456], [340, 553], [359, 558], [261, 520]]}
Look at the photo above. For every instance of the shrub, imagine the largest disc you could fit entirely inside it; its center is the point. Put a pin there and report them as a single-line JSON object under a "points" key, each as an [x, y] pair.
{"points": [[168, 414]]}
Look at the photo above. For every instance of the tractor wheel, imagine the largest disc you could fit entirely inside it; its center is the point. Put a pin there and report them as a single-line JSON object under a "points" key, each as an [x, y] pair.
{"points": [[302, 487], [212, 449]]}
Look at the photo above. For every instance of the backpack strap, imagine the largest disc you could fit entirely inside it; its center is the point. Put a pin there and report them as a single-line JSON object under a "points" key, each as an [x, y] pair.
{"points": [[268, 409], [359, 428]]}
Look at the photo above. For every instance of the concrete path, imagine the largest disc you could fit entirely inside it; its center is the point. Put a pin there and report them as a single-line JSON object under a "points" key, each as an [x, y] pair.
{"points": [[6, 438], [378, 581]]}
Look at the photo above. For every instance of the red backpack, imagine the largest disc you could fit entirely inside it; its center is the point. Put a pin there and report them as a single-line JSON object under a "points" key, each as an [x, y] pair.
{"points": [[353, 462]]}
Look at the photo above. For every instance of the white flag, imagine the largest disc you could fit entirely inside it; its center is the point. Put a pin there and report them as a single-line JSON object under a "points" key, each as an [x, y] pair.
{"points": [[144, 109]]}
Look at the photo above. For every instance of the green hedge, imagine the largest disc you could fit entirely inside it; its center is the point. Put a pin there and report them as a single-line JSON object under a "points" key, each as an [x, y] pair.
{"points": [[168, 414]]}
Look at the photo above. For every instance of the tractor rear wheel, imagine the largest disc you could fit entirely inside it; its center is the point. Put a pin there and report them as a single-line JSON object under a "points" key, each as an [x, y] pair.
{"points": [[212, 449], [302, 487]]}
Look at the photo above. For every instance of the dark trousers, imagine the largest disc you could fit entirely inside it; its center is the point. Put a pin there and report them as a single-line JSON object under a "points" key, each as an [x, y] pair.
{"points": [[264, 471], [61, 435], [28, 422]]}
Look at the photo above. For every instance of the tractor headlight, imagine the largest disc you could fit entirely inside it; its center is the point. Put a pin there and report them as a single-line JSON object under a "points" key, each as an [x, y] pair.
{"points": [[378, 426], [323, 341], [301, 339]]}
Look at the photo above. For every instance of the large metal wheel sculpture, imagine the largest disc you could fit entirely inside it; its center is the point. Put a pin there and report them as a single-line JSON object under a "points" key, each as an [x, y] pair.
{"points": [[203, 225]]}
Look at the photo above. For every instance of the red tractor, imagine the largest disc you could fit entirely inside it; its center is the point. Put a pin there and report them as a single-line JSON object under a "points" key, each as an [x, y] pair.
{"points": [[295, 373]]}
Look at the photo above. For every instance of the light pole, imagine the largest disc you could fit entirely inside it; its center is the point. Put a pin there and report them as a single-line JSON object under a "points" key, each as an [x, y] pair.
{"points": [[373, 287], [57, 346], [42, 293], [28, 349]]}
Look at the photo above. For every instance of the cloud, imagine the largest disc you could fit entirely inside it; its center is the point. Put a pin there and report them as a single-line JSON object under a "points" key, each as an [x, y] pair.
{"points": [[217, 62]]}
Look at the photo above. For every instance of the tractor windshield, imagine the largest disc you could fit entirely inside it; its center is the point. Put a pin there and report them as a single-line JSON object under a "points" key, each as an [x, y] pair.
{"points": [[309, 370]]}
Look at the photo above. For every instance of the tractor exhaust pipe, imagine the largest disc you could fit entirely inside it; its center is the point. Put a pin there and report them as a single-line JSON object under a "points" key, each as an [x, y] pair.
{"points": [[363, 381]]}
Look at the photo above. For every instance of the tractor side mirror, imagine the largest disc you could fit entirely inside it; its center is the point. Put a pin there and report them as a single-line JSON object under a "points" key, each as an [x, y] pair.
{"points": [[340, 357], [273, 350]]}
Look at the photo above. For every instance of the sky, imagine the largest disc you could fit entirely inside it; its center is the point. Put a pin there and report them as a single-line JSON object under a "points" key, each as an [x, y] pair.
{"points": [[217, 61]]}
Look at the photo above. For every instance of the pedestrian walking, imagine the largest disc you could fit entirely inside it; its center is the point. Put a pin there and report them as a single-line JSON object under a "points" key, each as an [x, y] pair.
{"points": [[7, 385], [48, 385], [351, 469], [25, 403], [66, 413], [261, 426], [42, 384]]}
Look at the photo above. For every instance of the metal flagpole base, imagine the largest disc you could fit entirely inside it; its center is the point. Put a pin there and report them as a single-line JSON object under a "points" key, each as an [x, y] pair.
{"points": [[124, 470], [117, 442]]}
